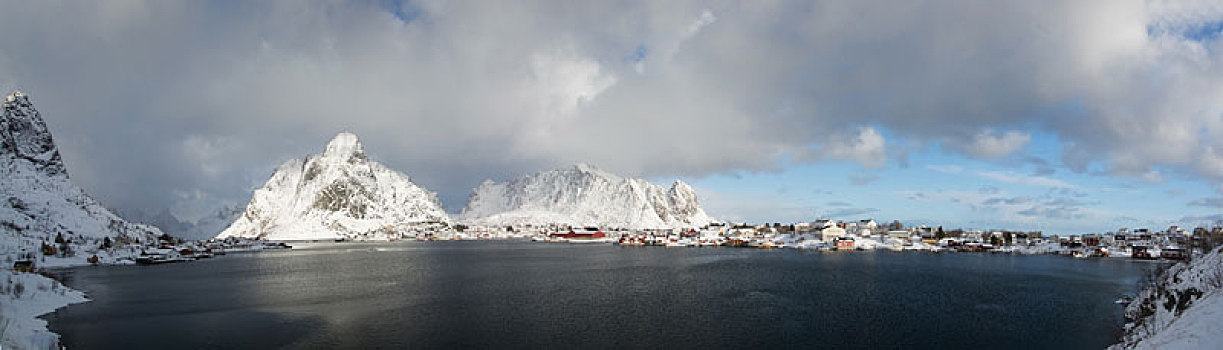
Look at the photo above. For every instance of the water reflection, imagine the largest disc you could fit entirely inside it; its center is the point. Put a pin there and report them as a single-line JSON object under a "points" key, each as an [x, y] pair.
{"points": [[515, 294]]}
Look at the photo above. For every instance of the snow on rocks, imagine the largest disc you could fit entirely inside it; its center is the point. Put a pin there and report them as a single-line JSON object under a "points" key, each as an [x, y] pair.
{"points": [[1182, 309], [339, 194], [584, 195]]}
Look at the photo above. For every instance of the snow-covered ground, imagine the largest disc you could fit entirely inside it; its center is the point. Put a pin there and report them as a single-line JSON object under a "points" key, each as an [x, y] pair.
{"points": [[1200, 327], [24, 297], [1182, 309]]}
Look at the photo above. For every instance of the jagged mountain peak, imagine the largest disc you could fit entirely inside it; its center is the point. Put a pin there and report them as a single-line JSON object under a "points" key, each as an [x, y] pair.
{"points": [[24, 135], [680, 185], [579, 169], [585, 168], [338, 194], [344, 146], [582, 194]]}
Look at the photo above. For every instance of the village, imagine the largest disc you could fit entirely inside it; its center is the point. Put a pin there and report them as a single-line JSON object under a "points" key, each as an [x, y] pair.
{"points": [[1173, 243]]}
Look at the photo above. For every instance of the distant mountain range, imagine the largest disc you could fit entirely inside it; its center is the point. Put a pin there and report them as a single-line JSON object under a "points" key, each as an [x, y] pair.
{"points": [[337, 194], [204, 228]]}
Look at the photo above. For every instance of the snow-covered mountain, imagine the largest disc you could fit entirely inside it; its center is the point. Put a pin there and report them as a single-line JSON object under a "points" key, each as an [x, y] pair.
{"points": [[203, 228], [339, 194], [37, 200], [584, 195]]}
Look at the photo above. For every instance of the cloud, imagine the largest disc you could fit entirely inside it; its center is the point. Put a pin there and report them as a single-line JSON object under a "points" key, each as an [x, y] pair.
{"points": [[866, 148], [1008, 201], [1031, 180], [989, 144], [863, 179], [1064, 213], [849, 212], [1040, 166], [453, 92], [948, 169], [1204, 219], [1213, 202]]}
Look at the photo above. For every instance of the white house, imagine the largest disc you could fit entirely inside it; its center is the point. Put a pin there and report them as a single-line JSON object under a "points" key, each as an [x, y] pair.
{"points": [[830, 234]]}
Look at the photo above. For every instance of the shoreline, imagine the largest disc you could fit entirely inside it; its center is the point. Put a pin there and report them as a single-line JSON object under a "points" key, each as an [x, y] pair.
{"points": [[27, 297]]}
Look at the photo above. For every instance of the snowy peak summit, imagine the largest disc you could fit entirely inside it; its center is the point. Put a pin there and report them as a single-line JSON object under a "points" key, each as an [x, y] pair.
{"points": [[24, 135], [344, 146], [338, 194], [582, 194]]}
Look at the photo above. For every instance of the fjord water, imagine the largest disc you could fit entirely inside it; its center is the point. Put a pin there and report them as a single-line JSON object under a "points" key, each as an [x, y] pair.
{"points": [[520, 294]]}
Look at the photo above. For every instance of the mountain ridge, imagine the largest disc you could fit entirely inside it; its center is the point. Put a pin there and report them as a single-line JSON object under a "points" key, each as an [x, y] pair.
{"points": [[337, 194], [582, 194]]}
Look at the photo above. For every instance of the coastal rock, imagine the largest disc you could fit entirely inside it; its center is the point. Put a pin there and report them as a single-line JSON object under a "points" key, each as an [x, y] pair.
{"points": [[338, 194], [584, 195], [24, 135], [1180, 309]]}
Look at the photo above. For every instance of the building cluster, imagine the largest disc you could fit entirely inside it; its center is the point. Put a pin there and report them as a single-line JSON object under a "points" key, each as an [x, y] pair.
{"points": [[868, 234]]}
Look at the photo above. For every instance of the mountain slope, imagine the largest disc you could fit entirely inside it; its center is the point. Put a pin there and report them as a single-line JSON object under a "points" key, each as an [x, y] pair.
{"points": [[1181, 309], [338, 194], [39, 202], [584, 195]]}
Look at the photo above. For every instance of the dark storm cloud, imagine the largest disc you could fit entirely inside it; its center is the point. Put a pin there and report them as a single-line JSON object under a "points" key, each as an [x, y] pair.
{"points": [[192, 104]]}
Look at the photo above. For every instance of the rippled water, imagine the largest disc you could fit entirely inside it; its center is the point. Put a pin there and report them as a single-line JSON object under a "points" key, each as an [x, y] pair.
{"points": [[521, 294]]}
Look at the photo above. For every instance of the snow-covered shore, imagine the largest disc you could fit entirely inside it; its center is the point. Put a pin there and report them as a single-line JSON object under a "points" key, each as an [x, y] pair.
{"points": [[23, 298], [1181, 309]]}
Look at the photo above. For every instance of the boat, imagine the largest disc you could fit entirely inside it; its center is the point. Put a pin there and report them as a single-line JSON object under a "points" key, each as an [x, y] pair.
{"points": [[676, 241], [1124, 300], [158, 257], [605, 240], [276, 245]]}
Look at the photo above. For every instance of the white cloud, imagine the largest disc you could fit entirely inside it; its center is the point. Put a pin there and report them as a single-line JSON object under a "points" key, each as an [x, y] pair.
{"points": [[866, 148], [948, 169], [1024, 179], [1153, 176], [469, 90], [988, 144], [563, 84], [705, 19]]}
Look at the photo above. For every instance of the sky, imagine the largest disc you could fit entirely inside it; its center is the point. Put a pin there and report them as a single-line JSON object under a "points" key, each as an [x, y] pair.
{"points": [[1036, 115]]}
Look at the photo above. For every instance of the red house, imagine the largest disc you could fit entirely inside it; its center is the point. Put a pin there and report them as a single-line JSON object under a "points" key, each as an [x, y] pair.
{"points": [[845, 243], [579, 235]]}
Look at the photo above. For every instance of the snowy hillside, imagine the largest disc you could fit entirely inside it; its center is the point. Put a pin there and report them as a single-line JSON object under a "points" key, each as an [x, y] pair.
{"points": [[584, 195], [338, 194], [1182, 309], [39, 202]]}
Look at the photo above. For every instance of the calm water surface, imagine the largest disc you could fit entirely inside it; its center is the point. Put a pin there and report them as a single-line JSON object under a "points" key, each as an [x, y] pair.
{"points": [[531, 295]]}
